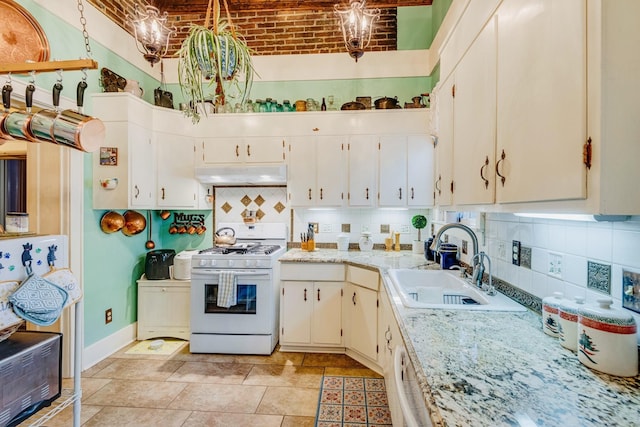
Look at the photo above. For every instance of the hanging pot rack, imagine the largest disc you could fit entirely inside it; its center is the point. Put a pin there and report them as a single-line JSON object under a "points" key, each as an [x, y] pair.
{"points": [[47, 66]]}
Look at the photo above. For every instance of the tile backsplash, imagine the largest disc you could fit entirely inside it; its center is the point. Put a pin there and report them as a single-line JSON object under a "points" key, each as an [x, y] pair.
{"points": [[573, 257]]}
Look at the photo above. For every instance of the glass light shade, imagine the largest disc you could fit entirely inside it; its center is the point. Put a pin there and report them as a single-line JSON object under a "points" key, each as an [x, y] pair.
{"points": [[151, 32], [356, 23]]}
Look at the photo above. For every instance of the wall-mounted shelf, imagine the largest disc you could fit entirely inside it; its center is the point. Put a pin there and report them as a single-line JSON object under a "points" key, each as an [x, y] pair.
{"points": [[47, 66]]}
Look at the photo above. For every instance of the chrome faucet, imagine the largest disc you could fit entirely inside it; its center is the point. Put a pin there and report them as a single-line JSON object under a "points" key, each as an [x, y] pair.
{"points": [[477, 262], [474, 239]]}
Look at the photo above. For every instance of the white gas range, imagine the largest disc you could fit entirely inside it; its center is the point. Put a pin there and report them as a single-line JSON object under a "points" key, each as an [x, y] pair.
{"points": [[234, 291]]}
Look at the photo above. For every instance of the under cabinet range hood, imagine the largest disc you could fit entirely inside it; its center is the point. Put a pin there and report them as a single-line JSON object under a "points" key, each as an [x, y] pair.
{"points": [[245, 175]]}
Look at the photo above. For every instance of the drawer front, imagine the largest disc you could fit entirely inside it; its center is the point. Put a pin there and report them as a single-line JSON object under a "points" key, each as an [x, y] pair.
{"points": [[363, 277], [316, 272]]}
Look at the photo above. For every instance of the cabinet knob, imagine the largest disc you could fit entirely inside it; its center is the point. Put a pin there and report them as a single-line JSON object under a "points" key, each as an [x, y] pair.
{"points": [[400, 193], [137, 191], [305, 294], [412, 194], [353, 298], [318, 294], [309, 194], [248, 150]]}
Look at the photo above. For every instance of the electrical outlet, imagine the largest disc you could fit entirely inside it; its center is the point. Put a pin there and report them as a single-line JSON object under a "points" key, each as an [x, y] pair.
{"points": [[515, 252], [108, 316], [555, 265], [404, 229], [502, 250], [326, 228], [364, 227]]}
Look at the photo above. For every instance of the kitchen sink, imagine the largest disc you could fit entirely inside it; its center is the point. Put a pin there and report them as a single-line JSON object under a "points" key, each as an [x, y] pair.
{"points": [[442, 289]]}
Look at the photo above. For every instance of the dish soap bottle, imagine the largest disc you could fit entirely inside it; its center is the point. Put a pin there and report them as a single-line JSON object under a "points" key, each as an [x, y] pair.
{"points": [[366, 243]]}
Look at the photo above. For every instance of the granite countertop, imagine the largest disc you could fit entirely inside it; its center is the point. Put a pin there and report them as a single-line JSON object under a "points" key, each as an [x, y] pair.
{"points": [[494, 368]]}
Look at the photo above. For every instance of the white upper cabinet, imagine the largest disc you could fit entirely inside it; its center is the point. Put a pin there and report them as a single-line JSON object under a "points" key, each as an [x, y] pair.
{"points": [[123, 175], [443, 179], [419, 171], [362, 170], [316, 171], [405, 171], [242, 150], [541, 100], [176, 186], [474, 121]]}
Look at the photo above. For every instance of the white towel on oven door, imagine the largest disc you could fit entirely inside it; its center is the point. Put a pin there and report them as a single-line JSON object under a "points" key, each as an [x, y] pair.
{"points": [[227, 289]]}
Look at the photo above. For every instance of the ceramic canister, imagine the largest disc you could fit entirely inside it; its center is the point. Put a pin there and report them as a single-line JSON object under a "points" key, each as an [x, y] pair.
{"points": [[550, 314], [568, 322], [607, 339]]}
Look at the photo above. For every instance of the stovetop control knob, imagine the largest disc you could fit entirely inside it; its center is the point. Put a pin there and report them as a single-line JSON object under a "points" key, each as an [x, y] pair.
{"points": [[213, 262], [231, 262], [203, 263], [249, 262]]}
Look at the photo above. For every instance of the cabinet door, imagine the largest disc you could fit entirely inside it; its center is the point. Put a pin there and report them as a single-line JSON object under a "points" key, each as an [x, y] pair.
{"points": [[222, 150], [474, 121], [163, 310], [327, 313], [419, 171], [541, 114], [141, 168], [444, 148], [301, 177], [296, 303], [362, 170], [177, 186], [331, 171], [264, 150], [363, 320], [392, 171]]}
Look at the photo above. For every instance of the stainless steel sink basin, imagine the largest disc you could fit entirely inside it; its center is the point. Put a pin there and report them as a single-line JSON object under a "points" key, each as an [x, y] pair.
{"points": [[445, 290]]}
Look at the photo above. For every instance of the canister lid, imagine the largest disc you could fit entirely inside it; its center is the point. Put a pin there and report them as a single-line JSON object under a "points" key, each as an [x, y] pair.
{"points": [[605, 317], [572, 307]]}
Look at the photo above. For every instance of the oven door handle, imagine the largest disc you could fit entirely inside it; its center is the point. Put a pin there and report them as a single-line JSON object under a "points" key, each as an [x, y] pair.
{"points": [[208, 273]]}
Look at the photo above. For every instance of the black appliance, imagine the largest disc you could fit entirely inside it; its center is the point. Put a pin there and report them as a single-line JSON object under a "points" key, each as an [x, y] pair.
{"points": [[30, 374], [158, 264]]}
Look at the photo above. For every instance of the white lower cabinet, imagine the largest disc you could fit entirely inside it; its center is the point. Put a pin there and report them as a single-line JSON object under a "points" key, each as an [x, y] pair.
{"points": [[311, 313], [163, 308], [361, 312], [311, 306]]}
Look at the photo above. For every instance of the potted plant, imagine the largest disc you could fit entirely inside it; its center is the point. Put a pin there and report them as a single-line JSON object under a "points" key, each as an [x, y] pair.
{"points": [[419, 222], [214, 54]]}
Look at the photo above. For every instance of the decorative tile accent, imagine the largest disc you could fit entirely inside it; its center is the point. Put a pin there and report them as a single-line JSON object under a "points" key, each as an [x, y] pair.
{"points": [[346, 228], [242, 199], [279, 207], [599, 277], [353, 401], [631, 290], [384, 228], [525, 257], [259, 200]]}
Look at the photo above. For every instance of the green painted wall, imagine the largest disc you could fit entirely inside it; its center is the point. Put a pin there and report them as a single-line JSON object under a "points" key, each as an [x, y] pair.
{"points": [[113, 262], [415, 27]]}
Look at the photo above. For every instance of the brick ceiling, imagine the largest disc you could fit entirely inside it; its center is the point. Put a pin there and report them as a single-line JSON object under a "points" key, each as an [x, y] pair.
{"points": [[180, 6]]}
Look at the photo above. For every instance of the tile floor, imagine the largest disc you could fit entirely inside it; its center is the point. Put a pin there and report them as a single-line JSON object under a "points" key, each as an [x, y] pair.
{"points": [[187, 389]]}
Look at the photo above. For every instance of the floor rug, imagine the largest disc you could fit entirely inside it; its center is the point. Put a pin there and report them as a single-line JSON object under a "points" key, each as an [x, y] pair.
{"points": [[352, 401], [168, 347]]}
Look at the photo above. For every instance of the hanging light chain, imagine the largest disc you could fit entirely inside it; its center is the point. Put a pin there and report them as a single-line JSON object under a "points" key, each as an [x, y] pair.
{"points": [[85, 33]]}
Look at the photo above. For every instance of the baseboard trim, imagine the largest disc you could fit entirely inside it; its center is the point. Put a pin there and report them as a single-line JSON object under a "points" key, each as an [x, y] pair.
{"points": [[104, 348]]}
